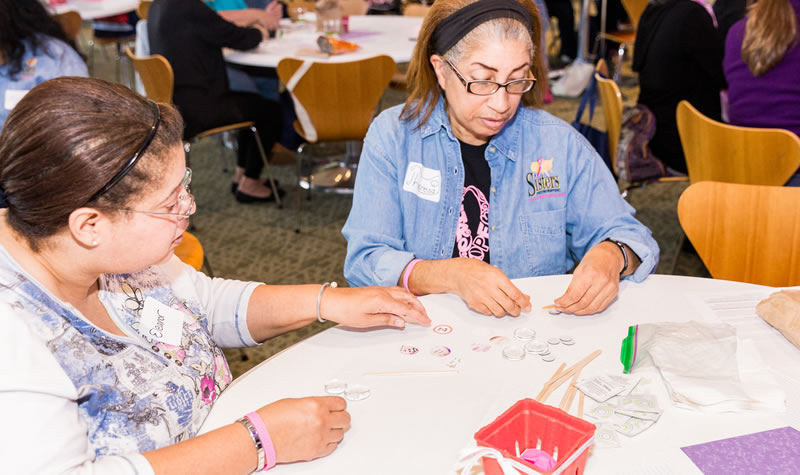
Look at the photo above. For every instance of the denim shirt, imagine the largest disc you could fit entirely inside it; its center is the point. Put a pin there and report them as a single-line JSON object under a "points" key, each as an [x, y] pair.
{"points": [[53, 58], [552, 199]]}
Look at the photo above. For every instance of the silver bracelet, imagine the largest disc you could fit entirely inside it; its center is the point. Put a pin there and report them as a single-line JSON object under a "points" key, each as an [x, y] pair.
{"points": [[256, 441], [319, 298]]}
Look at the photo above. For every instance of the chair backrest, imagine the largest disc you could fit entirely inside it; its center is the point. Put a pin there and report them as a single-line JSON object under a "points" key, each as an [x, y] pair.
{"points": [[721, 152], [71, 22], [634, 9], [611, 100], [416, 9], [156, 74], [295, 7], [353, 7], [143, 9], [340, 98], [746, 233]]}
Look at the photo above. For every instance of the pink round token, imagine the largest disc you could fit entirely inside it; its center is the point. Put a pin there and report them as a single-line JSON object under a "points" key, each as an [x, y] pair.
{"points": [[409, 350], [442, 329], [440, 351]]}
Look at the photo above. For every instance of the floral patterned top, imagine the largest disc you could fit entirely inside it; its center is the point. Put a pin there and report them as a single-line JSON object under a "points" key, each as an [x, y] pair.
{"points": [[129, 394]]}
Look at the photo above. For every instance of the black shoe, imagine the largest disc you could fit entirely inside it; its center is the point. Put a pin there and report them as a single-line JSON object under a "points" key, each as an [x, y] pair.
{"points": [[235, 186], [245, 198]]}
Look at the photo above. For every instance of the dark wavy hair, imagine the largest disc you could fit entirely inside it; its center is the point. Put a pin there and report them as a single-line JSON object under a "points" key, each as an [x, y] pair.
{"points": [[25, 21]]}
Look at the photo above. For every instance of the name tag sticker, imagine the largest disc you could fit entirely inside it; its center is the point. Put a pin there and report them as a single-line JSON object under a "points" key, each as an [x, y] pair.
{"points": [[12, 97], [161, 322], [423, 182]]}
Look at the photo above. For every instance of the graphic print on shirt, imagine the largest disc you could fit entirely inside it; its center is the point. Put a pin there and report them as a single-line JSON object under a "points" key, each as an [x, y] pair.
{"points": [[131, 397], [474, 247], [541, 183]]}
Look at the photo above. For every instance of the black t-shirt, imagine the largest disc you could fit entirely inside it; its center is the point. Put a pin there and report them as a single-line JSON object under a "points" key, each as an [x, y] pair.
{"points": [[472, 235]]}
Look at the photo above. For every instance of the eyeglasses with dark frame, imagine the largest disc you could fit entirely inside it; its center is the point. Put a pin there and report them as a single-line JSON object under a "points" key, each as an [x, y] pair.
{"points": [[121, 174], [485, 87], [184, 206]]}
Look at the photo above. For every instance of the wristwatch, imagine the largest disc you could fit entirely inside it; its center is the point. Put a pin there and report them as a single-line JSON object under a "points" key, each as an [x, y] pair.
{"points": [[623, 251]]}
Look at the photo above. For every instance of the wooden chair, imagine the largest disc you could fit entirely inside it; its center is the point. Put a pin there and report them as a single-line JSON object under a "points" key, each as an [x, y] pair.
{"points": [[143, 9], [611, 100], [339, 101], [158, 80], [746, 233], [722, 152], [191, 252], [634, 9], [71, 22]]}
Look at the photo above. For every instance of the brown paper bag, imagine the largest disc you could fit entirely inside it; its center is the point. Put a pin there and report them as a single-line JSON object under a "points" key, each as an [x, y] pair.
{"points": [[782, 311]]}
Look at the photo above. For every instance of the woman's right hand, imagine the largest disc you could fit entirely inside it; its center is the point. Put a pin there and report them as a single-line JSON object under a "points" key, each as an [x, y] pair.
{"points": [[485, 288], [306, 428]]}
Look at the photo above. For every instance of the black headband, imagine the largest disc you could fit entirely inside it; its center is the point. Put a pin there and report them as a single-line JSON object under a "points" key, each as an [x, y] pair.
{"points": [[461, 22]]}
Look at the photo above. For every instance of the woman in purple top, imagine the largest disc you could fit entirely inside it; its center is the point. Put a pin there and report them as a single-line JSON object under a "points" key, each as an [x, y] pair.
{"points": [[762, 61]]}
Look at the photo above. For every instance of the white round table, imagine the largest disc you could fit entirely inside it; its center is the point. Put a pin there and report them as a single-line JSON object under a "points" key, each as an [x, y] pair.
{"points": [[93, 9], [391, 35], [417, 424]]}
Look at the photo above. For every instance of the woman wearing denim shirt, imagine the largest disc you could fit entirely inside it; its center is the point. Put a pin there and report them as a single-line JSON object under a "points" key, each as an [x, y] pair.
{"points": [[33, 49], [429, 216]]}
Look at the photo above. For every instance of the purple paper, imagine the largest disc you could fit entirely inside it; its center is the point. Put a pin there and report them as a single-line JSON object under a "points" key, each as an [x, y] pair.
{"points": [[774, 451]]}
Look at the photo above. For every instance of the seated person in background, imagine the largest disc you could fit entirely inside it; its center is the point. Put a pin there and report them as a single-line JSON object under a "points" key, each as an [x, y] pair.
{"points": [[728, 12], [470, 176], [191, 36], [678, 55], [239, 13], [762, 62], [115, 343], [562, 9], [33, 49]]}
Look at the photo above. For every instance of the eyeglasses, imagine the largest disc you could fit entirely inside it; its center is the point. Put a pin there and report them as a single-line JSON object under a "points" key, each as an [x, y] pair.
{"points": [[184, 205], [121, 174], [484, 87]]}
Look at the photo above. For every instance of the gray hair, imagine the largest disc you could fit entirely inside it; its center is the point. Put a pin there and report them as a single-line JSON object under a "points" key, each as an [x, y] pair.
{"points": [[499, 29]]}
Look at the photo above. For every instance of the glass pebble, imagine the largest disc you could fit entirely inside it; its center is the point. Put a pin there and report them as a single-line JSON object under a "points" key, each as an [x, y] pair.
{"points": [[513, 353], [335, 387], [356, 392], [536, 347], [524, 334], [553, 341], [553, 311], [548, 358]]}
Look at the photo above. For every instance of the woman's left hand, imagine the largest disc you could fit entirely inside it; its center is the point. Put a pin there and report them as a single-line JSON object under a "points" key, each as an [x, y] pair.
{"points": [[364, 307], [595, 282]]}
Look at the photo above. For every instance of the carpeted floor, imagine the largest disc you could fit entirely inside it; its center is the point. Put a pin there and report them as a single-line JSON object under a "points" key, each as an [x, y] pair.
{"points": [[258, 242]]}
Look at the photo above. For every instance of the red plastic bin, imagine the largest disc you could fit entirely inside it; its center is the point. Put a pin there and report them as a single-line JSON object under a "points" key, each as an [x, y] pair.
{"points": [[528, 421]]}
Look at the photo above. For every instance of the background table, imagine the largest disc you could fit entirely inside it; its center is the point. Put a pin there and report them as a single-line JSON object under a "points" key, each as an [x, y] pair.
{"points": [[92, 9], [391, 35], [418, 424]]}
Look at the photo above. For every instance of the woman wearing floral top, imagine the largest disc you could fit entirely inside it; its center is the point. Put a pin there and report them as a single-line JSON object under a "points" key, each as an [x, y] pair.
{"points": [[110, 345]]}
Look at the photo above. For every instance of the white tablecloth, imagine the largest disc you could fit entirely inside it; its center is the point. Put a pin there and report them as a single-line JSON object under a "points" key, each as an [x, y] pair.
{"points": [[92, 9], [418, 424], [391, 35]]}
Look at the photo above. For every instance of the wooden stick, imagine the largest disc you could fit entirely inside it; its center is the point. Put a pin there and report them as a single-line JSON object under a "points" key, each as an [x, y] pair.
{"points": [[569, 394], [547, 383], [566, 374], [580, 406], [548, 307], [412, 373]]}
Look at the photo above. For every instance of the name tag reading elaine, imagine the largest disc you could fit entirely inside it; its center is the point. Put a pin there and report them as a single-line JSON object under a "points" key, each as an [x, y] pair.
{"points": [[161, 322], [423, 182]]}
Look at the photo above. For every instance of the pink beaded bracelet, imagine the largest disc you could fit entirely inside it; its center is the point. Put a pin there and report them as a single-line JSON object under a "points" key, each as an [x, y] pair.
{"points": [[266, 440], [407, 272]]}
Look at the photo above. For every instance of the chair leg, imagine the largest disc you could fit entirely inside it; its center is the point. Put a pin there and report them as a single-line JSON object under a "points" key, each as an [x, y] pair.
{"points": [[299, 175], [267, 167], [620, 57]]}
